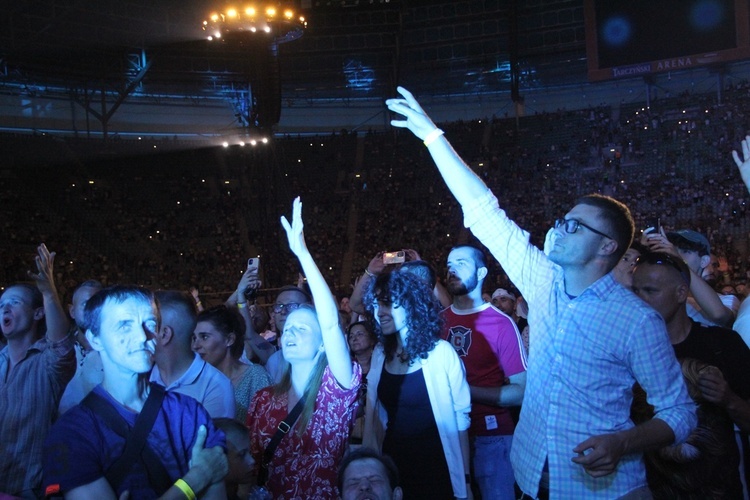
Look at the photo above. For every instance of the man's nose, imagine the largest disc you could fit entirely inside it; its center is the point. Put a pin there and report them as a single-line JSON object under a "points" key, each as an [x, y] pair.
{"points": [[364, 484]]}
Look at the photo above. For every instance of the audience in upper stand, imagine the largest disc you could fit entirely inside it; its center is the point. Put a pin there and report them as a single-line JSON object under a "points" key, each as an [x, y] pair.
{"points": [[590, 339], [35, 366]]}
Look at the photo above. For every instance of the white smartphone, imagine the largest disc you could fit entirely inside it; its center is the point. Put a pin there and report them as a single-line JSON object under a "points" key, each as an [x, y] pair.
{"points": [[253, 263]]}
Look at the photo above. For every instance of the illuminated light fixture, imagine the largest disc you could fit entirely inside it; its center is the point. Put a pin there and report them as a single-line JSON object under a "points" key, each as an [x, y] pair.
{"points": [[228, 22]]}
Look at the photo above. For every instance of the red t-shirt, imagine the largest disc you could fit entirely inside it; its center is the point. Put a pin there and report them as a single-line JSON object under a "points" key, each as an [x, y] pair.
{"points": [[490, 346]]}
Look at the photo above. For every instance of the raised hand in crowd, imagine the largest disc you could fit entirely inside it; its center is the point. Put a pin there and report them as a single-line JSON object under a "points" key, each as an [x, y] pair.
{"points": [[744, 164]]}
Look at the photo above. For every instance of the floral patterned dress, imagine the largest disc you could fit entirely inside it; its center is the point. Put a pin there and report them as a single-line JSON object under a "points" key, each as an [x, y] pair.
{"points": [[306, 467]]}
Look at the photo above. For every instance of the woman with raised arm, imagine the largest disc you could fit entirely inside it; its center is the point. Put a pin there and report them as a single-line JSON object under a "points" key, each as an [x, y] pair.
{"points": [[320, 376], [418, 400]]}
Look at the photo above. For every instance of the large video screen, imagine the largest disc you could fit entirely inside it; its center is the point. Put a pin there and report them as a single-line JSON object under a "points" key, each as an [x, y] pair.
{"points": [[639, 37]]}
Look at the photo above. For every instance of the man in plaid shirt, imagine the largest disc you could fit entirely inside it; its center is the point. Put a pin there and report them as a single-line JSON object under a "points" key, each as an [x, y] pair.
{"points": [[591, 340]]}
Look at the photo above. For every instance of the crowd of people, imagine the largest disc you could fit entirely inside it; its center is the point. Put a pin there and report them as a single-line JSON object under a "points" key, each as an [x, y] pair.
{"points": [[588, 354]]}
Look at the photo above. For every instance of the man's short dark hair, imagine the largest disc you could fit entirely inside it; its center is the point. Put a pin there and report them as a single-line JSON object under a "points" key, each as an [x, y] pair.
{"points": [[118, 293], [480, 259], [668, 260], [362, 453], [182, 303], [37, 299], [292, 288], [618, 219]]}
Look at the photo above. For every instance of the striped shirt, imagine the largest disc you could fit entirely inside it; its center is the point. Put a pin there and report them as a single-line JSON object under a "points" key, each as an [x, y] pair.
{"points": [[584, 357], [29, 397]]}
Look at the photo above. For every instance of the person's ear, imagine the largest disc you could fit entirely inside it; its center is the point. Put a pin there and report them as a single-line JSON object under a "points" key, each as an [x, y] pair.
{"points": [[609, 247], [398, 493], [38, 313], [705, 261], [231, 338], [481, 273], [165, 335], [94, 341], [683, 291]]}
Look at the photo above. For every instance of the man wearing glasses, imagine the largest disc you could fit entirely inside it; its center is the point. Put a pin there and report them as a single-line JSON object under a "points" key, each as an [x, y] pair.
{"points": [[591, 339], [289, 299]]}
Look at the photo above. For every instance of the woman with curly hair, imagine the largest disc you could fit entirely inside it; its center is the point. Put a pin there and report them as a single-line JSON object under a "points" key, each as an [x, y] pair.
{"points": [[418, 401]]}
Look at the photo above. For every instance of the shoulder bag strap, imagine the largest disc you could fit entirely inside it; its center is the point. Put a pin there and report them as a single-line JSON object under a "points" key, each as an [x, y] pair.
{"points": [[284, 427], [135, 444]]}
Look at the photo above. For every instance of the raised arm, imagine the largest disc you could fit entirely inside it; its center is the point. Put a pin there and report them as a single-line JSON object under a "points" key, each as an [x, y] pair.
{"points": [[259, 346], [706, 297], [744, 163], [374, 268], [465, 185], [57, 320], [334, 340]]}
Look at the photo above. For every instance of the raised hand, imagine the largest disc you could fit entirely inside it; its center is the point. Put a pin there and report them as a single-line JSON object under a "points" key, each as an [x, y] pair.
{"points": [[44, 276], [294, 231], [416, 119], [744, 163]]}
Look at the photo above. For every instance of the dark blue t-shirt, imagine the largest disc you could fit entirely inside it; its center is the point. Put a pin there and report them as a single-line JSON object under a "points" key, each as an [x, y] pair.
{"points": [[81, 447]]}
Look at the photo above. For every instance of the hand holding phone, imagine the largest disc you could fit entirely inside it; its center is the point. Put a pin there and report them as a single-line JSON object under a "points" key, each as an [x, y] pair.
{"points": [[253, 263], [394, 257]]}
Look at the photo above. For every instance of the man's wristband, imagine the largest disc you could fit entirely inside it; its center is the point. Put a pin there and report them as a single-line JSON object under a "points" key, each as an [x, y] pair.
{"points": [[185, 488], [368, 273], [241, 305], [198, 303], [430, 138]]}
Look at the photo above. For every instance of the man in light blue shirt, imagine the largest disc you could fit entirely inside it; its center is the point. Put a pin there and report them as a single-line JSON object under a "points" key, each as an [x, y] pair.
{"points": [[181, 370], [591, 339]]}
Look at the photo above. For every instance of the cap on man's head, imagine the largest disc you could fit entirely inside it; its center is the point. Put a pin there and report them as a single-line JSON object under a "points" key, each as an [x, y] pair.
{"points": [[687, 239], [502, 292]]}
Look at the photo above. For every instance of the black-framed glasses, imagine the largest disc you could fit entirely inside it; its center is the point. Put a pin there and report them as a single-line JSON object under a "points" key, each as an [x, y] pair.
{"points": [[665, 259], [286, 308], [572, 225]]}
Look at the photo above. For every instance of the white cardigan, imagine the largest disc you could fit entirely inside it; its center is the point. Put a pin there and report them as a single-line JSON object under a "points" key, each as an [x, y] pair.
{"points": [[450, 399]]}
